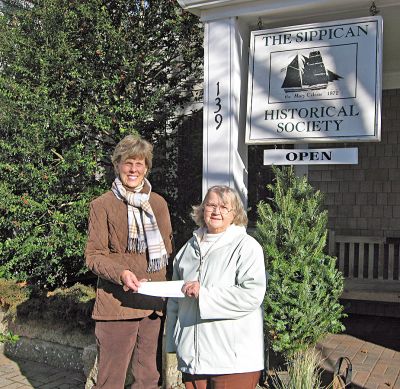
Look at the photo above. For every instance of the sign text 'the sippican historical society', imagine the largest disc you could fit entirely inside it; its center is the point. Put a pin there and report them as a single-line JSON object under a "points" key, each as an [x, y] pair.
{"points": [[317, 82]]}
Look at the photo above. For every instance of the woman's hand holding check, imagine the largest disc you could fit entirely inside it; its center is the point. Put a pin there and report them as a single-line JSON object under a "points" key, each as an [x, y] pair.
{"points": [[191, 289]]}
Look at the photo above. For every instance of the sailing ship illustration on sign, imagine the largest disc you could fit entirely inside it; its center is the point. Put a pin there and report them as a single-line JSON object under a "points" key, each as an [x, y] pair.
{"points": [[308, 73]]}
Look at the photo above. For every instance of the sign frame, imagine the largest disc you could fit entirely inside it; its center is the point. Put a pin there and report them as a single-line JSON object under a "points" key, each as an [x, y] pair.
{"points": [[329, 156], [342, 106]]}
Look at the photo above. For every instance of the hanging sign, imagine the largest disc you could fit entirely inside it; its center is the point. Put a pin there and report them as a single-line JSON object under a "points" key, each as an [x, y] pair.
{"points": [[316, 83], [336, 156]]}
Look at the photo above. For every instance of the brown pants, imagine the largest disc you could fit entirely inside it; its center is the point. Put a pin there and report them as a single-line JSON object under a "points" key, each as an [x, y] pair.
{"points": [[117, 341], [223, 381]]}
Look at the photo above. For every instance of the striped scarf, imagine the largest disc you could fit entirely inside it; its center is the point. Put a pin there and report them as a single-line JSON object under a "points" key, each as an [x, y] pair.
{"points": [[143, 232]]}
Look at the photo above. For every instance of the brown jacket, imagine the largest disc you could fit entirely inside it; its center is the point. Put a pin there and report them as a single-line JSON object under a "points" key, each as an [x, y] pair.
{"points": [[107, 256]]}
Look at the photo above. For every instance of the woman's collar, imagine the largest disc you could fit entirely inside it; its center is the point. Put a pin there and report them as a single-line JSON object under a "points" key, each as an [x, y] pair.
{"points": [[232, 231], [146, 187]]}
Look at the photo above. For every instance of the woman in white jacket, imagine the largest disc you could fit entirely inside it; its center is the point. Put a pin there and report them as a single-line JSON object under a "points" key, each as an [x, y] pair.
{"points": [[217, 329]]}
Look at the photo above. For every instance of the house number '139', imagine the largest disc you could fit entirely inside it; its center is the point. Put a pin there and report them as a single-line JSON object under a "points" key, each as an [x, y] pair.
{"points": [[218, 117]]}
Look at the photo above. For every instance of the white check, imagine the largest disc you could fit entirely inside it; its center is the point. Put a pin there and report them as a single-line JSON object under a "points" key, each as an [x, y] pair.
{"points": [[162, 288]]}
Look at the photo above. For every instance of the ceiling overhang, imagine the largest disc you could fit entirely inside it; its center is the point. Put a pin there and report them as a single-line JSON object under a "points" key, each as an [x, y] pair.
{"points": [[213, 9], [279, 13]]}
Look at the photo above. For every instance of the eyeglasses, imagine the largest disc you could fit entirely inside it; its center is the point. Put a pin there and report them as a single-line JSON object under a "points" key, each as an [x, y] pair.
{"points": [[222, 209]]}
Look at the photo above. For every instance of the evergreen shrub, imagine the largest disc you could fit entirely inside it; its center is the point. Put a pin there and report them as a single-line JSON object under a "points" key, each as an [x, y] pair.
{"points": [[75, 77], [304, 286]]}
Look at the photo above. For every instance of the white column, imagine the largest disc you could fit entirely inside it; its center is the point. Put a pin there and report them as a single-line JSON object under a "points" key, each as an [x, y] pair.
{"points": [[225, 80]]}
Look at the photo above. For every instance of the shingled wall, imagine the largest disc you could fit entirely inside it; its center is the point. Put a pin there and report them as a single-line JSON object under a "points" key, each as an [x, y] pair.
{"points": [[364, 199]]}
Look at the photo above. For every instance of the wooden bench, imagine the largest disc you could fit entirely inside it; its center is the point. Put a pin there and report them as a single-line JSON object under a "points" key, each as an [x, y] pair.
{"points": [[370, 265]]}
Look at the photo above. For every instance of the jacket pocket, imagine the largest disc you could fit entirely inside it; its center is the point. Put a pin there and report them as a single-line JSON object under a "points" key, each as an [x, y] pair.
{"points": [[185, 345], [217, 343]]}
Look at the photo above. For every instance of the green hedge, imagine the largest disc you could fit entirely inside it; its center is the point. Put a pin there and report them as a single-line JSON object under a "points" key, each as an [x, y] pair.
{"points": [[77, 76]]}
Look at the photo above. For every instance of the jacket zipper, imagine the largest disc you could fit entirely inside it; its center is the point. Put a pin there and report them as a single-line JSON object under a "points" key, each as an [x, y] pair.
{"points": [[196, 335]]}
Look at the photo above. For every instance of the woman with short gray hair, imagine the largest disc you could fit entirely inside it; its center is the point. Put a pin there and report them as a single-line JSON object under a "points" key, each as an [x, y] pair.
{"points": [[216, 330]]}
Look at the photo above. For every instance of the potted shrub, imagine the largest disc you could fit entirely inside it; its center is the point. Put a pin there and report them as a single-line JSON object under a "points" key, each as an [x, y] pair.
{"points": [[302, 300]]}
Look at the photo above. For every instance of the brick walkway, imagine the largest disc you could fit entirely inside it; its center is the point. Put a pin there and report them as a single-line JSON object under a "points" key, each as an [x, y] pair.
{"points": [[374, 366], [372, 344], [20, 374]]}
